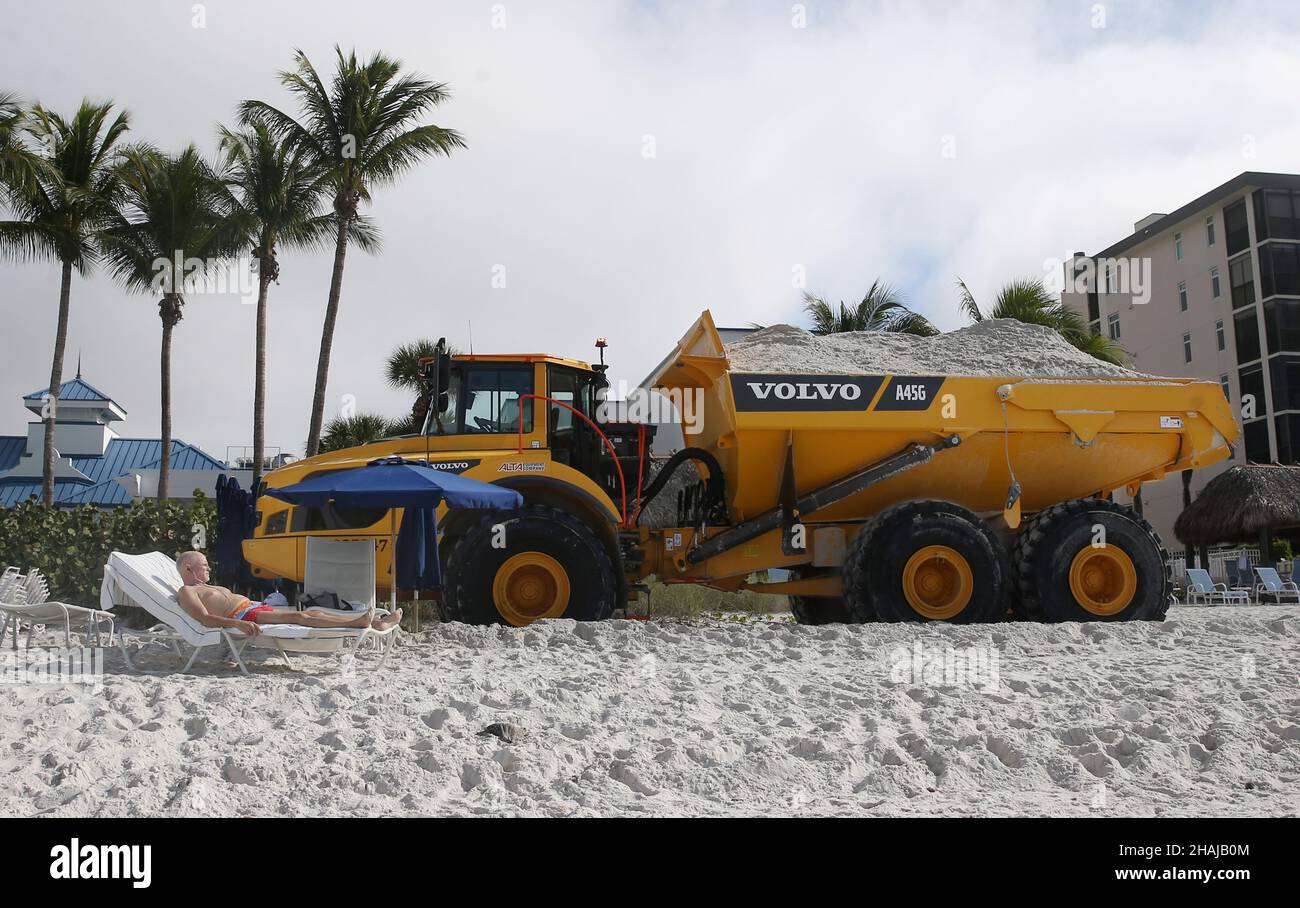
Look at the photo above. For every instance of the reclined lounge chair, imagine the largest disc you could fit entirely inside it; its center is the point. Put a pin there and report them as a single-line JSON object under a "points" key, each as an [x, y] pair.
{"points": [[152, 581], [1272, 588], [1202, 589]]}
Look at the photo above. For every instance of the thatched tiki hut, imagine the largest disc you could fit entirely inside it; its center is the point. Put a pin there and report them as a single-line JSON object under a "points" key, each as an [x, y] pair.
{"points": [[1243, 504]]}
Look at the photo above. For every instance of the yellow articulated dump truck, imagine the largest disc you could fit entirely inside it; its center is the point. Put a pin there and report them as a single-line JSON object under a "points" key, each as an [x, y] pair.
{"points": [[889, 497]]}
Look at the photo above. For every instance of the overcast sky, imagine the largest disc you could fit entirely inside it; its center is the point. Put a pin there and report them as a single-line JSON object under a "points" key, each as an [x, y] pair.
{"points": [[630, 164]]}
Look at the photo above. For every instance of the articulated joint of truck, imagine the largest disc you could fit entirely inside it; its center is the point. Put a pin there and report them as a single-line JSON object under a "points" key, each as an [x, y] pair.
{"points": [[792, 509]]}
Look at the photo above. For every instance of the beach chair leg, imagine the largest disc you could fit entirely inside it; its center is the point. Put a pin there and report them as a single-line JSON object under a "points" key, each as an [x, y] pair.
{"points": [[235, 651], [194, 655], [284, 654], [126, 654], [387, 644], [4, 629]]}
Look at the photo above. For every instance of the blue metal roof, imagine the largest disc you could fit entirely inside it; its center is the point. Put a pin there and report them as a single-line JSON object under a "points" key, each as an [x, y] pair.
{"points": [[11, 450], [75, 389], [121, 457]]}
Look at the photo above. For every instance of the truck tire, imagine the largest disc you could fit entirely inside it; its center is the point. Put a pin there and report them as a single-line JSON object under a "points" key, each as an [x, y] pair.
{"points": [[1062, 576], [926, 561], [551, 566]]}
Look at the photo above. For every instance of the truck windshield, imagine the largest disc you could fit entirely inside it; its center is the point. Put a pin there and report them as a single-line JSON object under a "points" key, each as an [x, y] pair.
{"points": [[484, 399]]}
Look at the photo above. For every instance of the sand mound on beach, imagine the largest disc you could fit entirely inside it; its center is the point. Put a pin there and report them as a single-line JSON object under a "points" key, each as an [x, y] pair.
{"points": [[1199, 715], [996, 347]]}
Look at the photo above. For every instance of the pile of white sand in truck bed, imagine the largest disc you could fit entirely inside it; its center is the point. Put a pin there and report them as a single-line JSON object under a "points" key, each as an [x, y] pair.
{"points": [[1001, 346]]}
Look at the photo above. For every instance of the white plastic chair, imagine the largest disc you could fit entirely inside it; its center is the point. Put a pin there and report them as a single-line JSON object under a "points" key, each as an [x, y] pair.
{"points": [[25, 600], [1201, 589], [1271, 585]]}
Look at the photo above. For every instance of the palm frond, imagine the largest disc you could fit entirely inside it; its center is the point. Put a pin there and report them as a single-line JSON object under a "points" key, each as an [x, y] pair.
{"points": [[968, 305]]}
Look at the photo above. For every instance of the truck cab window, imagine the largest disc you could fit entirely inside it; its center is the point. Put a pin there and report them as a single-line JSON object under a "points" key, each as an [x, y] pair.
{"points": [[571, 438], [484, 400]]}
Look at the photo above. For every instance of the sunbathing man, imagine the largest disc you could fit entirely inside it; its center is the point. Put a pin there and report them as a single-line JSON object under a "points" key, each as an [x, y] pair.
{"points": [[216, 606]]}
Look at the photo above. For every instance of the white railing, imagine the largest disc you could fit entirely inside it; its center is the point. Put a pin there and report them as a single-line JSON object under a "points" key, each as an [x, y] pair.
{"points": [[1218, 561]]}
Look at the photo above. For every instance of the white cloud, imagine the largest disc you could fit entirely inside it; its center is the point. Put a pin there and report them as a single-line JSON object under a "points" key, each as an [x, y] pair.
{"points": [[775, 146]]}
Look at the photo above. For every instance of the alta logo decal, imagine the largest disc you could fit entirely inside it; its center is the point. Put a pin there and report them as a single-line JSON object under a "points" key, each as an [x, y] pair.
{"points": [[515, 467]]}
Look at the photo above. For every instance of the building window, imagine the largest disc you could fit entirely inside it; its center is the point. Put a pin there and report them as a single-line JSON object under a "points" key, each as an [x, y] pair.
{"points": [[1241, 276], [1227, 389], [1218, 334], [1277, 215], [1112, 325], [1284, 373], [1250, 382], [1256, 441], [1182, 296], [1282, 325], [1178, 246], [1187, 348], [1209, 230], [1279, 270], [1245, 330], [1214, 282], [1288, 437], [1236, 227], [1094, 307]]}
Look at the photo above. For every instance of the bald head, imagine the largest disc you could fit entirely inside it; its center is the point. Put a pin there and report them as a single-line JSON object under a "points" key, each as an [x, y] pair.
{"points": [[193, 567]]}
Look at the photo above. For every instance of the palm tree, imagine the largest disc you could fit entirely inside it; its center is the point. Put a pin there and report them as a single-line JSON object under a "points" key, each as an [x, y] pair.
{"points": [[881, 309], [402, 371], [360, 132], [176, 212], [16, 160], [276, 194], [1027, 300], [62, 197], [350, 431]]}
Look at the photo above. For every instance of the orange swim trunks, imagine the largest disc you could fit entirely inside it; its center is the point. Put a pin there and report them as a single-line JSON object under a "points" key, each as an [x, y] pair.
{"points": [[248, 611]]}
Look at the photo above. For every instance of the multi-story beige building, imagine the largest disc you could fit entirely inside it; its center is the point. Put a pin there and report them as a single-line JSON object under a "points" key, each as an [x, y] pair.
{"points": [[1211, 291]]}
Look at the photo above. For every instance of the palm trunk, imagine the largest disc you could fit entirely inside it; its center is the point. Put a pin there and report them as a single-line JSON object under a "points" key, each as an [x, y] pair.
{"points": [[164, 462], [56, 380], [259, 380], [170, 310], [327, 338]]}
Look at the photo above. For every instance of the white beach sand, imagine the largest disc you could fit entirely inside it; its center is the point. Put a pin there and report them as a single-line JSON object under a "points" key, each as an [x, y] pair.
{"points": [[1012, 347], [1199, 715]]}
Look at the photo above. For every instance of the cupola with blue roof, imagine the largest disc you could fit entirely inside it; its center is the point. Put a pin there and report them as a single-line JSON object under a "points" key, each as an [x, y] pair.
{"points": [[93, 464]]}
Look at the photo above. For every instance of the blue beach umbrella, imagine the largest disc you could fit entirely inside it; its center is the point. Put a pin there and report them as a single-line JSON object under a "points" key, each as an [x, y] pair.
{"points": [[392, 482]]}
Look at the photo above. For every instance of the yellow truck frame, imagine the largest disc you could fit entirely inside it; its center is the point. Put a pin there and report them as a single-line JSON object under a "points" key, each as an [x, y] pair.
{"points": [[889, 497]]}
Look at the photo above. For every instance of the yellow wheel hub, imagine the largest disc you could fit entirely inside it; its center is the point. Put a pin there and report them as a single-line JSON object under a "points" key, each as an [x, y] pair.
{"points": [[1103, 579], [938, 582], [530, 586]]}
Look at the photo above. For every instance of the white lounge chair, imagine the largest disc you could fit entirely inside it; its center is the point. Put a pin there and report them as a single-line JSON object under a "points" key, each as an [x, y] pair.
{"points": [[1202, 590], [26, 600], [345, 567], [1271, 585], [152, 581]]}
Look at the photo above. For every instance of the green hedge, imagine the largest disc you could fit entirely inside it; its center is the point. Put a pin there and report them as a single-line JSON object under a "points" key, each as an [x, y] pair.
{"points": [[70, 545]]}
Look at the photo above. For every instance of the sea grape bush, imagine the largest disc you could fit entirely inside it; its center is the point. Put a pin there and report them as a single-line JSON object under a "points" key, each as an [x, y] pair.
{"points": [[70, 545]]}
